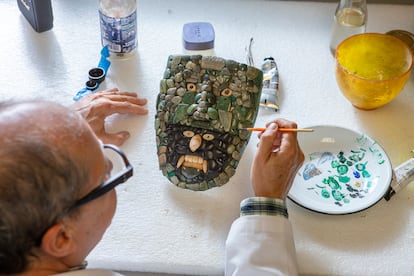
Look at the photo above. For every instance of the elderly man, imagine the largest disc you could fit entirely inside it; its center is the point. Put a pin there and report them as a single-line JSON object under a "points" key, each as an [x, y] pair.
{"points": [[57, 197]]}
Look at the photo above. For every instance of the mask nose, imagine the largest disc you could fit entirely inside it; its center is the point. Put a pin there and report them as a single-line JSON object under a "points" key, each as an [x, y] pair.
{"points": [[195, 142]]}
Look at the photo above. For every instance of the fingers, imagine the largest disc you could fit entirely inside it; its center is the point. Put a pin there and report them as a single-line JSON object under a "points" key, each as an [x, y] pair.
{"points": [[267, 139], [117, 96], [277, 160], [96, 107], [120, 100], [273, 141], [283, 123], [111, 90], [126, 107], [110, 102], [114, 138], [288, 141]]}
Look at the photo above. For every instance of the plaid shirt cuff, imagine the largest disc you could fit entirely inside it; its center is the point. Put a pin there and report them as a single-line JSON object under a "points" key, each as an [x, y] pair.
{"points": [[263, 206]]}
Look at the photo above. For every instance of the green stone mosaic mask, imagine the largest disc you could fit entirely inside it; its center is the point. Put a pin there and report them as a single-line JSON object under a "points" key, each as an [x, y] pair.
{"points": [[202, 105]]}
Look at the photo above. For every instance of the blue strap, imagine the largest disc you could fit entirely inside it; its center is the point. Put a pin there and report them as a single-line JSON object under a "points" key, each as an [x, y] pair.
{"points": [[104, 63]]}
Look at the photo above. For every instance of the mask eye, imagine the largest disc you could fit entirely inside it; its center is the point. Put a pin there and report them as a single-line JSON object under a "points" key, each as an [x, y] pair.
{"points": [[191, 87], [188, 133], [226, 92], [208, 137]]}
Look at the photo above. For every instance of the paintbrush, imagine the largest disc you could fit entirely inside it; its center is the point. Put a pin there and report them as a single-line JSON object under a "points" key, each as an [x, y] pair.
{"points": [[280, 129]]}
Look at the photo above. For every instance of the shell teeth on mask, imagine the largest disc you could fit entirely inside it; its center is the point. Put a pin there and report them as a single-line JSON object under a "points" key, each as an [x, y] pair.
{"points": [[180, 161], [192, 161], [205, 166]]}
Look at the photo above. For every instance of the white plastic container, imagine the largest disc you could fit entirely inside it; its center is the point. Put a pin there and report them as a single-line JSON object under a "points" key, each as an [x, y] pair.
{"points": [[118, 21]]}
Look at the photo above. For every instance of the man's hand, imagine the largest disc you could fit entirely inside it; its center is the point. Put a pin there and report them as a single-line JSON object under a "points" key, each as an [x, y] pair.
{"points": [[277, 160], [95, 108]]}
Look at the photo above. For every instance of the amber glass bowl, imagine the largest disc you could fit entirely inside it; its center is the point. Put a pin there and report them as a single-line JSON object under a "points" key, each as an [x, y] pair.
{"points": [[372, 68]]}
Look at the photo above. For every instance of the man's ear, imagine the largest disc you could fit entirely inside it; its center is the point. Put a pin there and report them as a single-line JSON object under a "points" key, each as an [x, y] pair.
{"points": [[58, 240]]}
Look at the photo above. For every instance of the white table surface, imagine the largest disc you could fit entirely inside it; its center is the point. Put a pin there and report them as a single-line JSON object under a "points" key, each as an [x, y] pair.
{"points": [[164, 229]]}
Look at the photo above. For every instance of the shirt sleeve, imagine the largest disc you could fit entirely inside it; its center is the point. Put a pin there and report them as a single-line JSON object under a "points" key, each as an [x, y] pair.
{"points": [[260, 242], [263, 206]]}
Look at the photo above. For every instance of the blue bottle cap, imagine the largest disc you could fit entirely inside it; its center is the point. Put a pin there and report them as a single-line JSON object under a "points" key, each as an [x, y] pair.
{"points": [[198, 36]]}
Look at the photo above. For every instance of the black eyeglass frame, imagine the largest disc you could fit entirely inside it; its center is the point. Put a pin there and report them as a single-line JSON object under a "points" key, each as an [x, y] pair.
{"points": [[111, 183]]}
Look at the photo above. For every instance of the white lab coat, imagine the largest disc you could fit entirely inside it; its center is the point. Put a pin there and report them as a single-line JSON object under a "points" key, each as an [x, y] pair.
{"points": [[257, 245], [260, 245]]}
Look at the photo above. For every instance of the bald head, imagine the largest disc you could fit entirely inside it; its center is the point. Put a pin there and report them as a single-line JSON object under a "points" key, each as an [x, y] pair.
{"points": [[46, 152], [40, 120]]}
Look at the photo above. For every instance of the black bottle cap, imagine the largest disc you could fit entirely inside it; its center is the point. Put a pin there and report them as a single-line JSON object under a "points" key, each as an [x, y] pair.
{"points": [[97, 74]]}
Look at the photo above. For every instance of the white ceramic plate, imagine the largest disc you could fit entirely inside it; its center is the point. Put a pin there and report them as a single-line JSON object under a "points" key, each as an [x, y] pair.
{"points": [[344, 171]]}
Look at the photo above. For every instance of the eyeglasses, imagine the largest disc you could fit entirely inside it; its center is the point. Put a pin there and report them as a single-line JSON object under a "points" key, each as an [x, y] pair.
{"points": [[121, 172]]}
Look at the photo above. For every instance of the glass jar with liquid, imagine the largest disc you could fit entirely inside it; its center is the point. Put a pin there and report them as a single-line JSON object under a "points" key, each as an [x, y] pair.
{"points": [[350, 19]]}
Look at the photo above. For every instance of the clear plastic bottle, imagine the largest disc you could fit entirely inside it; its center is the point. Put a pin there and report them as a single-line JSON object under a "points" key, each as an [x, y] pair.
{"points": [[118, 20], [350, 19]]}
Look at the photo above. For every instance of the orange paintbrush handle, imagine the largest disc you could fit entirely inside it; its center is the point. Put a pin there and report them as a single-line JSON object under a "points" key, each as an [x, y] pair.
{"points": [[280, 129]]}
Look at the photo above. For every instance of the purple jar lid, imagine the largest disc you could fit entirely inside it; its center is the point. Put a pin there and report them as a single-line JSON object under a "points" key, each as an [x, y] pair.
{"points": [[198, 36]]}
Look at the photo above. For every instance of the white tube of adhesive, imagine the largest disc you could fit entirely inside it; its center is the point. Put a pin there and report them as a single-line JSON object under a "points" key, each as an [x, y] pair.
{"points": [[270, 91]]}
